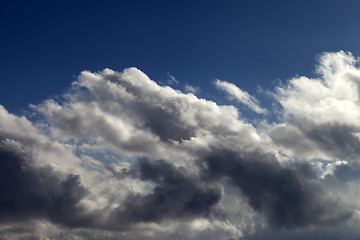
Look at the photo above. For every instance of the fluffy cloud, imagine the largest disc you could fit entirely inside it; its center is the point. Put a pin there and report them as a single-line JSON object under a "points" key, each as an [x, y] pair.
{"points": [[320, 116], [131, 113], [121, 156]]}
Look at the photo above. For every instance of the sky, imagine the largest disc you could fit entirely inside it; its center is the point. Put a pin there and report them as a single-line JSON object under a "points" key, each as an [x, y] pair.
{"points": [[220, 120]]}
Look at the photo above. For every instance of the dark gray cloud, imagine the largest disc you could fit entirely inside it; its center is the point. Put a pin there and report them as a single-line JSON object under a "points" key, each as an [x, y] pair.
{"points": [[344, 172], [333, 139], [335, 233], [347, 173], [177, 194], [289, 197], [164, 123], [29, 192]]}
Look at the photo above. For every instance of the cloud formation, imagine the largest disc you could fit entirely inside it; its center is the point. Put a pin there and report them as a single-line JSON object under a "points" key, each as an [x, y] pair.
{"points": [[176, 194], [320, 115], [289, 197], [120, 156], [235, 93]]}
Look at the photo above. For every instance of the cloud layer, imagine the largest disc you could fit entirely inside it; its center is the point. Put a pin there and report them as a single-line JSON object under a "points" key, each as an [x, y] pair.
{"points": [[120, 156]]}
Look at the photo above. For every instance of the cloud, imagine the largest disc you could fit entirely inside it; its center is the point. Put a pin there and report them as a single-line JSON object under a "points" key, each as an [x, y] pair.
{"points": [[117, 114], [172, 80], [30, 192], [289, 197], [132, 113], [235, 93], [191, 89], [176, 194], [320, 115], [121, 157]]}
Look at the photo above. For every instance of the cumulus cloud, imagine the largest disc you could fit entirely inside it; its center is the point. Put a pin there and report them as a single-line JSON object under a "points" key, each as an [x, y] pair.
{"points": [[130, 112], [120, 156], [320, 115]]}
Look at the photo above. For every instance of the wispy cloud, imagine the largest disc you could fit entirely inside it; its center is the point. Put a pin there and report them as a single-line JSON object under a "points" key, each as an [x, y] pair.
{"points": [[172, 80], [235, 93], [191, 89]]}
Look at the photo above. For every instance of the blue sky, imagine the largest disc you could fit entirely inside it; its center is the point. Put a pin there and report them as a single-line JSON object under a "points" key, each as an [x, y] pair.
{"points": [[45, 44], [157, 120]]}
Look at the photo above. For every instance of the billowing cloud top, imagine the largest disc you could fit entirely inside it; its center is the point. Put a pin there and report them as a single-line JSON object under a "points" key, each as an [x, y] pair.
{"points": [[121, 156]]}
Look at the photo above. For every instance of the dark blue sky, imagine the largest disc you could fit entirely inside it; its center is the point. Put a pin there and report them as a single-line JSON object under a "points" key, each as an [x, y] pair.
{"points": [[45, 44]]}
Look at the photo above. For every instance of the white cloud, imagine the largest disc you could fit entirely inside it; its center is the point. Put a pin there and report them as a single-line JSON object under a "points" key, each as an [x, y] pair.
{"points": [[326, 99], [110, 119], [191, 89], [133, 114], [321, 115], [127, 115], [235, 93]]}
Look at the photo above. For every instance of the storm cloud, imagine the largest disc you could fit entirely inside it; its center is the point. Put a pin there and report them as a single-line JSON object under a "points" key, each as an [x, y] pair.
{"points": [[30, 192], [289, 197], [176, 194]]}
